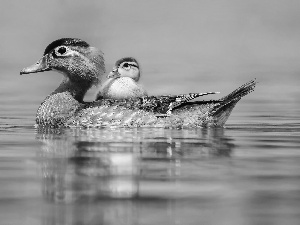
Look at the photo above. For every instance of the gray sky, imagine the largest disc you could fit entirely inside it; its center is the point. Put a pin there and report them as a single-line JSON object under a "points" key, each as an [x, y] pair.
{"points": [[179, 43]]}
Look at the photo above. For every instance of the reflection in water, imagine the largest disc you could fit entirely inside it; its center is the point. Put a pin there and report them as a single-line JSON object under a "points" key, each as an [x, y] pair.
{"points": [[107, 163], [122, 169]]}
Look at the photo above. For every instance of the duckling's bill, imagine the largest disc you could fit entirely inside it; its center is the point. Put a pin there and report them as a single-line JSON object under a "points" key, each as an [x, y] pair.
{"points": [[39, 66], [114, 74]]}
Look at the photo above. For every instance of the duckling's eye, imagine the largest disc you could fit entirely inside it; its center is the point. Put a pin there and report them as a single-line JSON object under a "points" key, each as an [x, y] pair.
{"points": [[126, 66]]}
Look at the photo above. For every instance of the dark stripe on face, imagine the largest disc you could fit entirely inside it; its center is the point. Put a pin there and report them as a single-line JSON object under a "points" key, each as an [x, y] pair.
{"points": [[126, 59], [66, 42], [129, 64]]}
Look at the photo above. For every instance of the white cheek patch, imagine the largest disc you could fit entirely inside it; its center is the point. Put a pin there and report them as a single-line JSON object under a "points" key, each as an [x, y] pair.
{"points": [[133, 73], [123, 72], [71, 53]]}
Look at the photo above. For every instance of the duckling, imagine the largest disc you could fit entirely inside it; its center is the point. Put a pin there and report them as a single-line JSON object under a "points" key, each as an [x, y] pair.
{"points": [[83, 66], [122, 81]]}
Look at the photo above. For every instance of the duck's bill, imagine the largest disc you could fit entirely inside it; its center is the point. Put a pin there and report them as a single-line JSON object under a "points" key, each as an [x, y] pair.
{"points": [[39, 66]]}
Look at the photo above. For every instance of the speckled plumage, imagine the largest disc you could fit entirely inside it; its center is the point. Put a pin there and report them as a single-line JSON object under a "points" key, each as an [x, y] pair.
{"points": [[64, 107], [142, 111]]}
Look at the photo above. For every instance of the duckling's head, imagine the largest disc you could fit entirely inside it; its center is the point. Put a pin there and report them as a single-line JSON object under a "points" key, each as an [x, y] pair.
{"points": [[72, 57], [126, 67]]}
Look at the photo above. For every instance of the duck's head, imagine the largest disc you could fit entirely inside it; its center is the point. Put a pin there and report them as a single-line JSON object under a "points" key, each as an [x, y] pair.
{"points": [[126, 67], [72, 57]]}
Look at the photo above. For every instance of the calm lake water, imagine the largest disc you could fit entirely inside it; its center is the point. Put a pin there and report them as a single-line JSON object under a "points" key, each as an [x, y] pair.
{"points": [[245, 173]]}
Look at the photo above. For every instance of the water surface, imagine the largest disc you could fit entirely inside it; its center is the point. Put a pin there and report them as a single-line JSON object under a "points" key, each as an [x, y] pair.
{"points": [[244, 173]]}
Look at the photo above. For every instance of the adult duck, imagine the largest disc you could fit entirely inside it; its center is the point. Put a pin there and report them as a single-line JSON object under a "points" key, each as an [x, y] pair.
{"points": [[83, 66]]}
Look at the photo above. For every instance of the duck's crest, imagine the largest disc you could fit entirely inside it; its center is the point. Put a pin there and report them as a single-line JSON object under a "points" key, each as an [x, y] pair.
{"points": [[67, 42]]}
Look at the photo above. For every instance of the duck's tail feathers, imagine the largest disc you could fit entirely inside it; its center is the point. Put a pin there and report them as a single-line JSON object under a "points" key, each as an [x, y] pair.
{"points": [[227, 103], [241, 91]]}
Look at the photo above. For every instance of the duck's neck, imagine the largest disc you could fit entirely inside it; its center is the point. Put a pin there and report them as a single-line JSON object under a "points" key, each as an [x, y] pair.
{"points": [[76, 89], [62, 104]]}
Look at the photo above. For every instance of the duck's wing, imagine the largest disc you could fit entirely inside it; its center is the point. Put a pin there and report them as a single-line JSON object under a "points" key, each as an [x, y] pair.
{"points": [[181, 99], [163, 104]]}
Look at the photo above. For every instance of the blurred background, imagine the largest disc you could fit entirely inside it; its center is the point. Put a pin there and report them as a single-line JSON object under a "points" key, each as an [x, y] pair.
{"points": [[182, 46]]}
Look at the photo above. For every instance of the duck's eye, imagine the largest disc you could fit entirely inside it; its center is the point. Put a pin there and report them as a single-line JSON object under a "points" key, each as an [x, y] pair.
{"points": [[62, 50]]}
